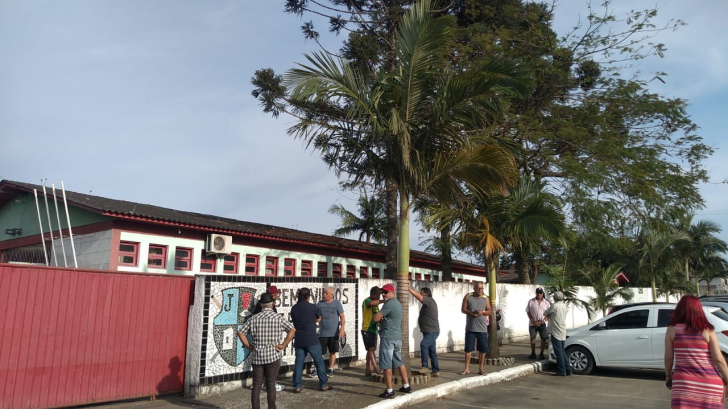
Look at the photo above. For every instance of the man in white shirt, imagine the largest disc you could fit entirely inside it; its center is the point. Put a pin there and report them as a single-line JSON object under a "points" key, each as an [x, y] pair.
{"points": [[537, 325], [557, 318]]}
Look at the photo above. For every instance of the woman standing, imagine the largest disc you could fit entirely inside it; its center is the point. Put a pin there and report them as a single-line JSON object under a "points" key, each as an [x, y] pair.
{"points": [[691, 342]]}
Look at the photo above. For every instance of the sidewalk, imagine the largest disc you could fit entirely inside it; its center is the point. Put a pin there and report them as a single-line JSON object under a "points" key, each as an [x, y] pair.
{"points": [[354, 390]]}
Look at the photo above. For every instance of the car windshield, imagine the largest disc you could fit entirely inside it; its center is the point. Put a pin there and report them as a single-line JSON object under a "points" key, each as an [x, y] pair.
{"points": [[720, 313]]}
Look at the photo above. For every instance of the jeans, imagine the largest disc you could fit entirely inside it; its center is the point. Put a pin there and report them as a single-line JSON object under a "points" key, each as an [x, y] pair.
{"points": [[318, 361], [428, 349], [562, 363], [267, 372]]}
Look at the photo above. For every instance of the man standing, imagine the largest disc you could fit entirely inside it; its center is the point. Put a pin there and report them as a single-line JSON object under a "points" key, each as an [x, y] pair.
{"points": [[305, 316], [265, 329], [430, 328], [476, 308], [370, 329], [537, 325], [274, 292], [556, 315], [389, 318], [331, 327]]}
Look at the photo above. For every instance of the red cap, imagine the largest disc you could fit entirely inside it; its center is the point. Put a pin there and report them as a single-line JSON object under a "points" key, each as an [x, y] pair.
{"points": [[388, 288], [273, 290]]}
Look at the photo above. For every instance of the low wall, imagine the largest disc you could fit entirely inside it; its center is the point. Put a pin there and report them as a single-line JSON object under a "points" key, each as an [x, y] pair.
{"points": [[216, 359]]}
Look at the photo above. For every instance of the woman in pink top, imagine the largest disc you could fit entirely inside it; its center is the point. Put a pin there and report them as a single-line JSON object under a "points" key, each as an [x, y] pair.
{"points": [[699, 379]]}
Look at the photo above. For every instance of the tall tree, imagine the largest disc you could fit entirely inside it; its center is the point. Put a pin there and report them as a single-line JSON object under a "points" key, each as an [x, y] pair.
{"points": [[416, 126]]}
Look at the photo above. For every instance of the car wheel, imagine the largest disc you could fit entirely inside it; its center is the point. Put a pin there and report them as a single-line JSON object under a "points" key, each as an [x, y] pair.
{"points": [[581, 360]]}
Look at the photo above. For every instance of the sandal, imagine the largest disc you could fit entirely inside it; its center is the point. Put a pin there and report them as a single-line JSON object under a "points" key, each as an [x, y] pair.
{"points": [[464, 372], [481, 372]]}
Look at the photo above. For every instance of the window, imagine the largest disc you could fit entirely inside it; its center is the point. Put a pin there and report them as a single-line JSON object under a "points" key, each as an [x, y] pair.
{"points": [[271, 266], [411, 276], [363, 272], [230, 266], [629, 320], [428, 277], [322, 269], [208, 263], [251, 264], [128, 253], [157, 256], [183, 259], [350, 271], [289, 267], [376, 273], [336, 271], [306, 268], [663, 317]]}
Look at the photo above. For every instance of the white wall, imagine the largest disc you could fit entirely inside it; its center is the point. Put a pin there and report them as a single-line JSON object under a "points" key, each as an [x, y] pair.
{"points": [[512, 300]]}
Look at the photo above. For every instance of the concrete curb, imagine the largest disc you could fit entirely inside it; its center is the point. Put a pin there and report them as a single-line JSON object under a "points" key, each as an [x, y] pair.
{"points": [[449, 388]]}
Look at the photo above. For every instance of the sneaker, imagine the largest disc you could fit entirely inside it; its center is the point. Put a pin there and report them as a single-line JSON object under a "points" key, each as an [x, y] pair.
{"points": [[330, 373], [532, 356], [405, 390], [540, 356], [327, 388], [279, 387], [313, 374], [386, 395], [424, 370], [435, 374]]}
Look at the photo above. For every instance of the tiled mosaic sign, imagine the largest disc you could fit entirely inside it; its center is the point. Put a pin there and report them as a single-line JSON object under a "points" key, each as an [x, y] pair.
{"points": [[229, 303]]}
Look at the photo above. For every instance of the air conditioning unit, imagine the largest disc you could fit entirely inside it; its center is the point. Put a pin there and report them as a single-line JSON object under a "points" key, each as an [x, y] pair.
{"points": [[218, 244]]}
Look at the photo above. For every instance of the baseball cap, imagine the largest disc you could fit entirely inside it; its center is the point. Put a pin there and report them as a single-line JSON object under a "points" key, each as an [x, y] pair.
{"points": [[388, 288], [273, 290]]}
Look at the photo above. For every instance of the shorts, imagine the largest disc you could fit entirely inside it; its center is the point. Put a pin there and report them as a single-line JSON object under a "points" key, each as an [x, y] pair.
{"points": [[329, 344], [541, 331], [390, 353], [470, 344], [370, 340]]}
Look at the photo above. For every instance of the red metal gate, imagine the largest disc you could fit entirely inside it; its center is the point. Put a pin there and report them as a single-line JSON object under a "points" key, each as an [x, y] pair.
{"points": [[83, 336]]}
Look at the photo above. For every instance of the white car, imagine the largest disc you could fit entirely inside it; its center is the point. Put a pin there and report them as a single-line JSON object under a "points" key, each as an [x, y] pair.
{"points": [[632, 337]]}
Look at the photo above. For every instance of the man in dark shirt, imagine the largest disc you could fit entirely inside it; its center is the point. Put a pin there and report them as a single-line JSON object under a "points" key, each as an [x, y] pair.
{"points": [[430, 328], [305, 316]]}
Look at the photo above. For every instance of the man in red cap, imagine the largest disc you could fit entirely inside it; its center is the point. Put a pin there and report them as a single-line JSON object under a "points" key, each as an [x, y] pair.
{"points": [[274, 292], [389, 318]]}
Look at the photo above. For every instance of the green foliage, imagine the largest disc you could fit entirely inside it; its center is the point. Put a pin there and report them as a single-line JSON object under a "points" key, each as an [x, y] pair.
{"points": [[559, 280], [606, 287], [371, 222]]}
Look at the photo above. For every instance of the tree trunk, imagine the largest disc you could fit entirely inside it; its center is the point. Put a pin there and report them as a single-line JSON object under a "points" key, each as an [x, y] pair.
{"points": [[654, 290], [493, 294], [403, 294], [392, 230], [446, 254]]}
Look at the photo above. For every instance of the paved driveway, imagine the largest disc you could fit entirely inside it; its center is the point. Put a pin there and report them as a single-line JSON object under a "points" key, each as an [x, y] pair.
{"points": [[602, 389]]}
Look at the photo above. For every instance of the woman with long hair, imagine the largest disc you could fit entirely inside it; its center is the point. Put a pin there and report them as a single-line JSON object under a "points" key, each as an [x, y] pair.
{"points": [[700, 375]]}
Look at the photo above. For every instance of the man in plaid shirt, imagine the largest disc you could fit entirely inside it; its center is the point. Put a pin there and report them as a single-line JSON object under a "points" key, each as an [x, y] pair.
{"points": [[265, 328]]}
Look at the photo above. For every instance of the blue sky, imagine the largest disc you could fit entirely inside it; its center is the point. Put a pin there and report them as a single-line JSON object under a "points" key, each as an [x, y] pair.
{"points": [[149, 101]]}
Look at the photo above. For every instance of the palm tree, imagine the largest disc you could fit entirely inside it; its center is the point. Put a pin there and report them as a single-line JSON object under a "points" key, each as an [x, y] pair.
{"points": [[606, 287], [415, 126], [560, 281], [371, 222], [657, 254], [702, 246]]}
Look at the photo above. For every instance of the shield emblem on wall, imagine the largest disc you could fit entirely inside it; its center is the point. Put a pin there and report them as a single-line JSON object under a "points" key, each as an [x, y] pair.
{"points": [[237, 307]]}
